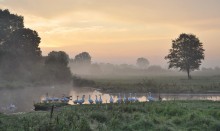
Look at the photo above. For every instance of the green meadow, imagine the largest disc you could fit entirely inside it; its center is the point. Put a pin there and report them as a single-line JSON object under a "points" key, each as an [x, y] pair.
{"points": [[157, 84]]}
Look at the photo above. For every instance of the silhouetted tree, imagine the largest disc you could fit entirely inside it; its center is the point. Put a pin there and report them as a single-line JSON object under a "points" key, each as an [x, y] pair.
{"points": [[19, 47], [186, 53], [9, 23], [142, 62], [23, 44], [56, 66], [57, 58], [83, 58], [20, 52]]}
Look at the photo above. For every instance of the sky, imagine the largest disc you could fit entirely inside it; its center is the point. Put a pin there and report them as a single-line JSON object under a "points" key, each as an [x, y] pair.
{"points": [[120, 31]]}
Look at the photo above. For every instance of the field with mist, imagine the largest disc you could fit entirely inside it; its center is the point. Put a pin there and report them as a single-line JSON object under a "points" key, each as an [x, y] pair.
{"points": [[128, 78]]}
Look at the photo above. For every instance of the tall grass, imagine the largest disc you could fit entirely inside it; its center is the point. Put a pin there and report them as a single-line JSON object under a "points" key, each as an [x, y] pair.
{"points": [[167, 115]]}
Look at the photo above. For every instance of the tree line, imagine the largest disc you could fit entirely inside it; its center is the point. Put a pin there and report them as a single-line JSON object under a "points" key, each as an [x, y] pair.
{"points": [[21, 57]]}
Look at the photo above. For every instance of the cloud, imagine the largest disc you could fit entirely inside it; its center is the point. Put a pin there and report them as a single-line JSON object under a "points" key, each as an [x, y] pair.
{"points": [[123, 9], [143, 12]]}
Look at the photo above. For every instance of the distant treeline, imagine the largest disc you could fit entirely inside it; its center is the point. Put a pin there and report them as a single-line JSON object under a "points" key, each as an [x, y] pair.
{"points": [[103, 69]]}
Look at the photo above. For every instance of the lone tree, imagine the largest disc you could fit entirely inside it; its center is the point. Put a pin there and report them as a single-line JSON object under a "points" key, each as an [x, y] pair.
{"points": [[186, 53], [142, 62], [83, 58]]}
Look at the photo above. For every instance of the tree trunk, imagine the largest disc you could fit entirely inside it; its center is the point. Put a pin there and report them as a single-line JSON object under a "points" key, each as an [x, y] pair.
{"points": [[188, 73]]}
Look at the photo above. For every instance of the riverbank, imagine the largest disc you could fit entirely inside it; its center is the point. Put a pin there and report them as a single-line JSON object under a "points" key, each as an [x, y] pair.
{"points": [[166, 115]]}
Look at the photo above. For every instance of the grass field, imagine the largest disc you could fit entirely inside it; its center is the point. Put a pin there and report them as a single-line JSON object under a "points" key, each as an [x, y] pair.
{"points": [[165, 116], [139, 84], [156, 84]]}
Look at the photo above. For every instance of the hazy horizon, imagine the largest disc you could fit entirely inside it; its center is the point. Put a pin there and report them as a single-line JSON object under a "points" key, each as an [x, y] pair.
{"points": [[121, 31]]}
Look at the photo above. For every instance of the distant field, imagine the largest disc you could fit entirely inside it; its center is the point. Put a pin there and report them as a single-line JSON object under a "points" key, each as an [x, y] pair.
{"points": [[156, 84], [140, 83], [167, 115]]}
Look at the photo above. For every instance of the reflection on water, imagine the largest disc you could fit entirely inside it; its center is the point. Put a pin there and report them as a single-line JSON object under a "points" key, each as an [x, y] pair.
{"points": [[141, 96], [24, 98]]}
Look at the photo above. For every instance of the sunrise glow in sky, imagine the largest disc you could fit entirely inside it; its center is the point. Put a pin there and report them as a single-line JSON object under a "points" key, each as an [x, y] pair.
{"points": [[120, 31]]}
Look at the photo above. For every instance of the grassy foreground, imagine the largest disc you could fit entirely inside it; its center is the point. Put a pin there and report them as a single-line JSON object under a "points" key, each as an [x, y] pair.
{"points": [[167, 115]]}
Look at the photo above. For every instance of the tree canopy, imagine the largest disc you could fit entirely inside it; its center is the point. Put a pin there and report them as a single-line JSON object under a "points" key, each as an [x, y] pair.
{"points": [[9, 23], [59, 58], [19, 47], [83, 58], [23, 43], [21, 58], [142, 62], [186, 54], [57, 67]]}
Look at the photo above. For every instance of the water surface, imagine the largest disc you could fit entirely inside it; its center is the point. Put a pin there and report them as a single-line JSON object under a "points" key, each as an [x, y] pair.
{"points": [[24, 98]]}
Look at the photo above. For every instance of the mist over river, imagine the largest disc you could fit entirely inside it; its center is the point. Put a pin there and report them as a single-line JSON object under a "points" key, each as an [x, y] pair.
{"points": [[24, 98]]}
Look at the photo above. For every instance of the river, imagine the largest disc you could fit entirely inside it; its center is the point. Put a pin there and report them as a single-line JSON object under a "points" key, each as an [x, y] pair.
{"points": [[24, 98]]}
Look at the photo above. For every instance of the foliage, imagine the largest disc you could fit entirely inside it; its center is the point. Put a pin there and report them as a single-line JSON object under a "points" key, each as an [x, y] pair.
{"points": [[20, 55], [83, 58], [56, 67], [186, 53], [19, 48], [21, 51], [142, 62], [23, 43], [55, 58], [9, 23]]}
